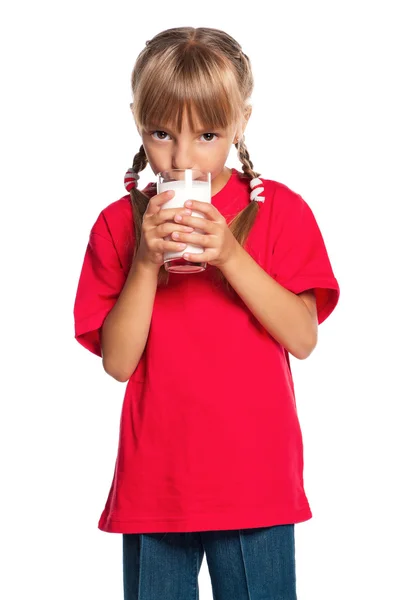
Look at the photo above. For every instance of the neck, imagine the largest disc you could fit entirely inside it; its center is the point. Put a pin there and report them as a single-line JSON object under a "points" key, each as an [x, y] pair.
{"points": [[218, 182]]}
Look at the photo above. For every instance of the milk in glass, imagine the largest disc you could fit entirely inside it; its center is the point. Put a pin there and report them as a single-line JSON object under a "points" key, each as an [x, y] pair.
{"points": [[185, 190]]}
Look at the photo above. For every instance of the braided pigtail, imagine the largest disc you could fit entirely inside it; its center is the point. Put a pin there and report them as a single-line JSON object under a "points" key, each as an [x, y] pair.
{"points": [[242, 223], [139, 202]]}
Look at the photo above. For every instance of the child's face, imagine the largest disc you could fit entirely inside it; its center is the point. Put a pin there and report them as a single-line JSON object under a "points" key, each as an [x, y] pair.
{"points": [[198, 149]]}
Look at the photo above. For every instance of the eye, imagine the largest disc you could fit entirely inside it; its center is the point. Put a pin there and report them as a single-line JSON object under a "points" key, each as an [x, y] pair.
{"points": [[158, 131], [213, 134], [163, 132]]}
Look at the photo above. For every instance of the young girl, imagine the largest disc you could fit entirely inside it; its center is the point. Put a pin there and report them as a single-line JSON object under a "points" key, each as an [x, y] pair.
{"points": [[210, 456]]}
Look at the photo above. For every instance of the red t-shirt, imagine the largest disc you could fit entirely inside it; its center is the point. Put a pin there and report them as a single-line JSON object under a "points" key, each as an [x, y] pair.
{"points": [[210, 442]]}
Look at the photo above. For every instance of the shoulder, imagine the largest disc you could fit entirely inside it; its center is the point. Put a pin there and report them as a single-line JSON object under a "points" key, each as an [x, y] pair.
{"points": [[275, 192], [116, 218], [113, 217], [280, 193], [113, 230], [282, 202]]}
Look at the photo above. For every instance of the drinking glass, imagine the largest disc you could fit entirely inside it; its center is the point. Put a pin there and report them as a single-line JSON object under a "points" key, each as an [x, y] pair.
{"points": [[188, 184]]}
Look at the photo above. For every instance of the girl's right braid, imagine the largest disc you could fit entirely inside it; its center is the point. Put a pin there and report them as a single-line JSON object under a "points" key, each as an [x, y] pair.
{"points": [[139, 201], [140, 160]]}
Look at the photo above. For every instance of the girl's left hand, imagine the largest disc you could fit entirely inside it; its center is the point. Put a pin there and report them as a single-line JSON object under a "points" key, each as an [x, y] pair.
{"points": [[218, 243]]}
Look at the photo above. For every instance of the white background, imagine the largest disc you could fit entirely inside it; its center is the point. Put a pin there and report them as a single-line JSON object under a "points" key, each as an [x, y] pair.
{"points": [[324, 123]]}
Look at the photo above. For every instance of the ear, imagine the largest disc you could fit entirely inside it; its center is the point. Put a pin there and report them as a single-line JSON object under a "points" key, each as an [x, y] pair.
{"points": [[248, 112], [246, 117], [131, 108]]}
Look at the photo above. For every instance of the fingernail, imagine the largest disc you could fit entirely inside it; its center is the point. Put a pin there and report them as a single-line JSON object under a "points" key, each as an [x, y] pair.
{"points": [[188, 203]]}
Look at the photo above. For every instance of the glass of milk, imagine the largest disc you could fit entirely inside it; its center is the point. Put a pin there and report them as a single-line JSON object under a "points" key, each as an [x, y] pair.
{"points": [[188, 184]]}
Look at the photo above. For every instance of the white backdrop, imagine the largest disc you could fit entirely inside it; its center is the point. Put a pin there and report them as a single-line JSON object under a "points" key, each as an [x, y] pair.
{"points": [[324, 123]]}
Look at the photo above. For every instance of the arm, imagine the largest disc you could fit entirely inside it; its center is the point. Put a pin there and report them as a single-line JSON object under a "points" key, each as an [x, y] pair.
{"points": [[125, 330], [291, 320]]}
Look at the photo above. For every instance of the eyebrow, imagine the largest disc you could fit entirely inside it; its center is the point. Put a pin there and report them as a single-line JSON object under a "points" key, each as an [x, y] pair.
{"points": [[164, 128]]}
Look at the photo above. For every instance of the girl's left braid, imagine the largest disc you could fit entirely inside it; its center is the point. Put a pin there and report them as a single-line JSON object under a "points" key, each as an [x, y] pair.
{"points": [[244, 158]]}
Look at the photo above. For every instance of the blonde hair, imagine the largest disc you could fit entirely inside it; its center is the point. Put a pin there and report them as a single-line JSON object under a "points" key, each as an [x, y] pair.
{"points": [[200, 68]]}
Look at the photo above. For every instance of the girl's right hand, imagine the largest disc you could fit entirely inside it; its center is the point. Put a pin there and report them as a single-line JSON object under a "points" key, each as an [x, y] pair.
{"points": [[157, 223]]}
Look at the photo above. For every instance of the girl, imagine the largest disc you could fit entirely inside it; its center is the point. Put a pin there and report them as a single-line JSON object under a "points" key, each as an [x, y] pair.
{"points": [[210, 457]]}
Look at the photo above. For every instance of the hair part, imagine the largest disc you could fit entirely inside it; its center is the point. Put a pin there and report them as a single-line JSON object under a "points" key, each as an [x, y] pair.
{"points": [[202, 71]]}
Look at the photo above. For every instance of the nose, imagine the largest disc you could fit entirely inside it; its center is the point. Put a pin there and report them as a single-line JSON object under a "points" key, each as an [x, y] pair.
{"points": [[181, 157]]}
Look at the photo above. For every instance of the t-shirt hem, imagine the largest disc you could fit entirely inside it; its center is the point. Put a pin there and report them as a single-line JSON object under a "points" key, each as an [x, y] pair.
{"points": [[246, 520]]}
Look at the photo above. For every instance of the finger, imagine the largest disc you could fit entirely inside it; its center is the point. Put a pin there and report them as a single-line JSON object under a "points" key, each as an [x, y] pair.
{"points": [[168, 228], [172, 246], [168, 214], [197, 223], [206, 208], [197, 257], [155, 203], [197, 239]]}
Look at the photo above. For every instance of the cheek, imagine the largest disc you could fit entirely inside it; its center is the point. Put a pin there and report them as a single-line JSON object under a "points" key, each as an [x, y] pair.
{"points": [[218, 153], [217, 160]]}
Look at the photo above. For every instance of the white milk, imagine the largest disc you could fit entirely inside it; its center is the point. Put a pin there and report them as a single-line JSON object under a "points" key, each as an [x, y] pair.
{"points": [[197, 190]]}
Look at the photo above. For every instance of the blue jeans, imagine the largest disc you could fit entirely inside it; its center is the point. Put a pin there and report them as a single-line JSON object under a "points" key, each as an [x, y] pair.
{"points": [[244, 564]]}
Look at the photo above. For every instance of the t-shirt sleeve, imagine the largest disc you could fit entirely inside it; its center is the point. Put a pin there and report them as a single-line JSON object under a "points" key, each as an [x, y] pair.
{"points": [[101, 280], [300, 259]]}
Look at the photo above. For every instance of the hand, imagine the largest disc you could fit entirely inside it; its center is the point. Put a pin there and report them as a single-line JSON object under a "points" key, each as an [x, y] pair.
{"points": [[218, 242], [157, 223]]}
